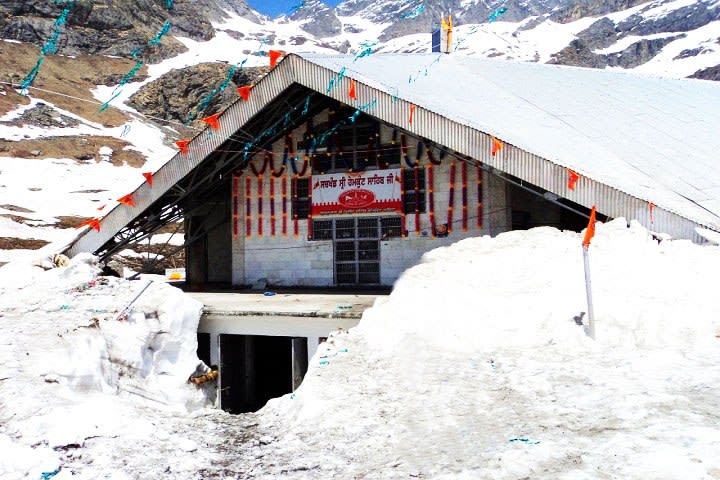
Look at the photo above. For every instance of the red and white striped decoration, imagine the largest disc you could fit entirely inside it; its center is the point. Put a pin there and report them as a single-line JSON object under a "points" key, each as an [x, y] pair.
{"points": [[284, 206], [431, 198], [235, 205], [248, 207], [451, 197], [260, 184]]}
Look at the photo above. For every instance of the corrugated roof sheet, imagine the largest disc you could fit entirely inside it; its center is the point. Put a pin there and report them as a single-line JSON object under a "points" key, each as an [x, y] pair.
{"points": [[654, 138]]}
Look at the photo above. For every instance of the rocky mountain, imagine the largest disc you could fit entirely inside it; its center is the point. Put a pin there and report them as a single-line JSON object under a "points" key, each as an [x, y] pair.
{"points": [[664, 29], [173, 95], [317, 19], [108, 27]]}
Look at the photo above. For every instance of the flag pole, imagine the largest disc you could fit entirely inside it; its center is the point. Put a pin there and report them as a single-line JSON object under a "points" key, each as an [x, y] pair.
{"points": [[588, 292], [589, 233]]}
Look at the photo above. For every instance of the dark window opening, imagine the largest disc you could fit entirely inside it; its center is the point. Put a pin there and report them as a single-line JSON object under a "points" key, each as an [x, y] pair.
{"points": [[341, 229], [390, 227], [390, 155], [322, 230], [347, 149], [301, 197], [411, 201]]}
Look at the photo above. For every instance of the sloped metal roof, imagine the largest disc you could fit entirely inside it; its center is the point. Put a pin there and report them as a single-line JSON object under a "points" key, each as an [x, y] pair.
{"points": [[633, 139], [657, 139]]}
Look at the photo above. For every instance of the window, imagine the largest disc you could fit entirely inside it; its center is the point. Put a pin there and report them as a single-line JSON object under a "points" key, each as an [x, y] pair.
{"points": [[352, 138], [409, 200], [300, 197], [322, 230], [390, 155], [365, 228], [390, 227]]}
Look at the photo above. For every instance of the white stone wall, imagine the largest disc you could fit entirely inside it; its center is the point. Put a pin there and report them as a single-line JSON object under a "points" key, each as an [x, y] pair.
{"points": [[294, 261]]}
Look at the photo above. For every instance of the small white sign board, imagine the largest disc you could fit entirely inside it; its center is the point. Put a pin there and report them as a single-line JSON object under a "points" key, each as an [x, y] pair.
{"points": [[175, 274]]}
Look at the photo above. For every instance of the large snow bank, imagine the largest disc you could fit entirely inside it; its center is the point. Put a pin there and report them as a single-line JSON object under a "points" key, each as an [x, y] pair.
{"points": [[72, 372], [150, 352], [474, 367], [523, 289]]}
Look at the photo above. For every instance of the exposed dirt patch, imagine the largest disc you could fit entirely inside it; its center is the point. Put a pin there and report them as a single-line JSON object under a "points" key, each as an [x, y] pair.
{"points": [[69, 221], [10, 99], [83, 148], [63, 221], [18, 218], [15, 208], [141, 264], [69, 76], [13, 243]]}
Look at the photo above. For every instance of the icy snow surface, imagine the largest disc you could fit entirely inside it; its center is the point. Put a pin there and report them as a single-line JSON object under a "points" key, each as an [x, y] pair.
{"points": [[473, 368]]}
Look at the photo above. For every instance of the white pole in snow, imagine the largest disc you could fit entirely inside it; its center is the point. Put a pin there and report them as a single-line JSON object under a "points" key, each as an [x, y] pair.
{"points": [[588, 291], [129, 304]]}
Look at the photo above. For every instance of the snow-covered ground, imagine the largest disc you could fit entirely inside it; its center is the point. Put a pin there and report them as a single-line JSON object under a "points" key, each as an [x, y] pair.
{"points": [[474, 367]]}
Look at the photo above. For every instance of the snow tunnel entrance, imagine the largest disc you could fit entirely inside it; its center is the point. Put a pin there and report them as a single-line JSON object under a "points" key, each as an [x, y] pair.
{"points": [[254, 369]]}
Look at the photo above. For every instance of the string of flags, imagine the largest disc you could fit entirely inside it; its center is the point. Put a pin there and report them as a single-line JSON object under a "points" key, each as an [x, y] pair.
{"points": [[49, 48], [497, 14], [366, 49], [205, 103], [136, 54]]}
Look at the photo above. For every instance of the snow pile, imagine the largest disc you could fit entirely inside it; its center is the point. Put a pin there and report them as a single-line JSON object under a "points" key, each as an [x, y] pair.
{"points": [[475, 367], [150, 352], [72, 372], [523, 290]]}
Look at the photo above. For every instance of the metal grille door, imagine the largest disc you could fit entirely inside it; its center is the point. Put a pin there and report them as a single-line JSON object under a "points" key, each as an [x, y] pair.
{"points": [[357, 251]]}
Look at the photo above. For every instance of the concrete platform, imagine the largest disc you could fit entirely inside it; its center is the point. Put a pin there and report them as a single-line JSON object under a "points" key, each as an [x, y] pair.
{"points": [[323, 305], [283, 314]]}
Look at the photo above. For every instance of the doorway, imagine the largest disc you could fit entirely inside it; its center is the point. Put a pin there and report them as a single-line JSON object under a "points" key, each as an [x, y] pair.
{"points": [[254, 369], [357, 251]]}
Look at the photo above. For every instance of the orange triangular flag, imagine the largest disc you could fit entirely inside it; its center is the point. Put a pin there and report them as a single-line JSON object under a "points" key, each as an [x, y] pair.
{"points": [[183, 146], [572, 179], [213, 121], [590, 231], [127, 200], [496, 146], [245, 92], [412, 113], [148, 177], [275, 56], [93, 223], [651, 206], [352, 93]]}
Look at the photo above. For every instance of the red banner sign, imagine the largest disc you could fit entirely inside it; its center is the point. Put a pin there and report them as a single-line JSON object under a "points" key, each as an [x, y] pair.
{"points": [[363, 192]]}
